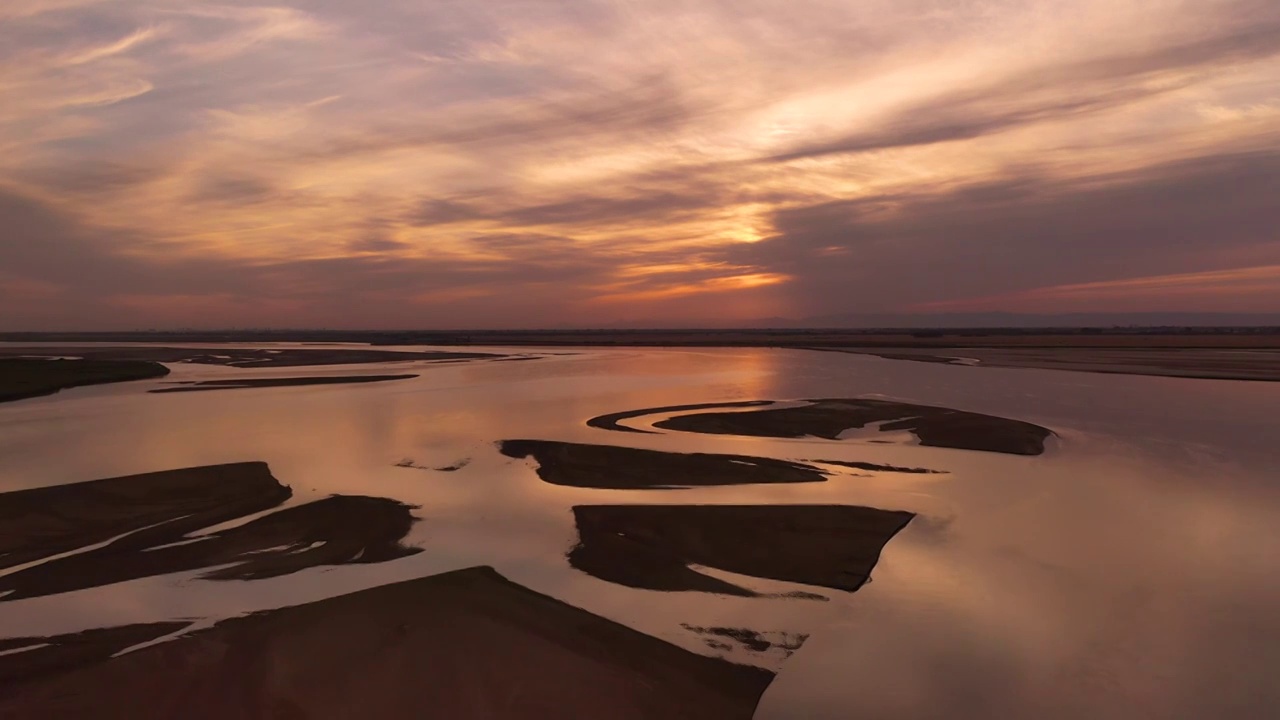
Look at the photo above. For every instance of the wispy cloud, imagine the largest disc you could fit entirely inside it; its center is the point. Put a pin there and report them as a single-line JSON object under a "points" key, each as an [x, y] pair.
{"points": [[543, 162]]}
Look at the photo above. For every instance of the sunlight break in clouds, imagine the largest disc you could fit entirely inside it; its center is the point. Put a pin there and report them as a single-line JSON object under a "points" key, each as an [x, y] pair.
{"points": [[418, 164]]}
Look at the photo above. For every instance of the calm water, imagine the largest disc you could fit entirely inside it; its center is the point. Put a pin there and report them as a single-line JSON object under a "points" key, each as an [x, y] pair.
{"points": [[1130, 572]]}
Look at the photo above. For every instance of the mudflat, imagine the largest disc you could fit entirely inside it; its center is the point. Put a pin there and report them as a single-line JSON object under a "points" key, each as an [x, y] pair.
{"points": [[269, 382], [623, 468], [653, 546], [22, 378], [935, 426], [463, 645], [248, 358], [1226, 363], [108, 531]]}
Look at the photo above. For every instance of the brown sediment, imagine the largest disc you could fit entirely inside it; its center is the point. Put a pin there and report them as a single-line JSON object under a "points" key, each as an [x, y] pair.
{"points": [[337, 530], [239, 384], [802, 595], [411, 464], [249, 358], [653, 546], [876, 467], [623, 468], [27, 658], [43, 522], [935, 426], [1229, 362], [751, 639], [464, 645], [108, 531], [610, 421], [22, 378]]}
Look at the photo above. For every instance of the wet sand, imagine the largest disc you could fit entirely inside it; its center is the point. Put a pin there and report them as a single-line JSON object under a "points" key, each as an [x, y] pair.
{"points": [[22, 378], [653, 546], [148, 533], [622, 468], [876, 467], [935, 426], [238, 384], [464, 645]]}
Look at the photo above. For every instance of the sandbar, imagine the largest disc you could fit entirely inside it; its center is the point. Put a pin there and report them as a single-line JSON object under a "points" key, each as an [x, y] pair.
{"points": [[610, 421], [26, 658], [878, 467], [653, 546], [464, 645], [829, 418], [1227, 363], [250, 357], [622, 468], [269, 382], [109, 531], [22, 378]]}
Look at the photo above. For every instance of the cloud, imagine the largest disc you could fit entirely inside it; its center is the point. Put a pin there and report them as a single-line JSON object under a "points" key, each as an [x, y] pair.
{"points": [[592, 113], [238, 189], [377, 245], [1237, 289], [1010, 236], [540, 162], [124, 44], [624, 209], [90, 278], [1053, 93]]}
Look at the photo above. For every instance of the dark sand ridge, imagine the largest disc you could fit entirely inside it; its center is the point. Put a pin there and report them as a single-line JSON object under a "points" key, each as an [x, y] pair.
{"points": [[41, 523], [652, 546], [622, 468], [935, 426], [249, 358], [240, 384], [22, 378], [464, 645], [876, 467], [610, 421]]}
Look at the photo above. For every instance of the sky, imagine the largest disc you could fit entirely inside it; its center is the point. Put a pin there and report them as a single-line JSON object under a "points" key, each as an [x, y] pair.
{"points": [[525, 163]]}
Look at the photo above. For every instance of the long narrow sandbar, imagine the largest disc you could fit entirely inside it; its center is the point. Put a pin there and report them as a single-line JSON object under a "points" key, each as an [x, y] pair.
{"points": [[623, 468]]}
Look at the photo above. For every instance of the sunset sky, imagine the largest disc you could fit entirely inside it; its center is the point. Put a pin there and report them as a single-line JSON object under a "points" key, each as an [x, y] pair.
{"points": [[501, 163]]}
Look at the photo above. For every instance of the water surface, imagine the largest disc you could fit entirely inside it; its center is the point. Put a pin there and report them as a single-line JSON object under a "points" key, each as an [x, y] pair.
{"points": [[1130, 571]]}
